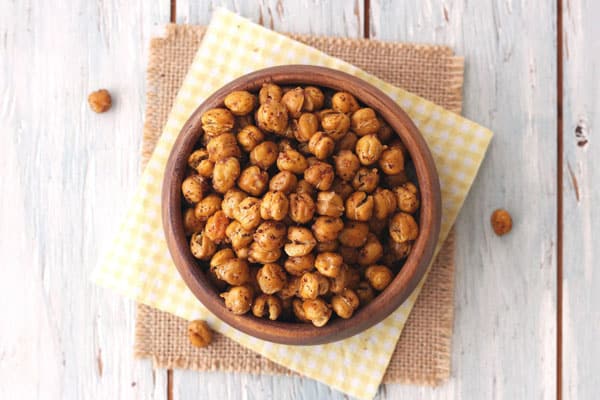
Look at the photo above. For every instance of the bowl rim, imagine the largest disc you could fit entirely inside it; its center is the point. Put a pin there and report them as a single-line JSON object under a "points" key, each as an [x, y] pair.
{"points": [[403, 283]]}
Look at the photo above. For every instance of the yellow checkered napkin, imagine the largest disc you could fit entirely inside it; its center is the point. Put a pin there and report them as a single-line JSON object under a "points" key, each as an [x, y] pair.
{"points": [[139, 265]]}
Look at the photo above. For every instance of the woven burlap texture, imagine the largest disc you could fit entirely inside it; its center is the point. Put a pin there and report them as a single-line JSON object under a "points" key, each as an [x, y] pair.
{"points": [[422, 355]]}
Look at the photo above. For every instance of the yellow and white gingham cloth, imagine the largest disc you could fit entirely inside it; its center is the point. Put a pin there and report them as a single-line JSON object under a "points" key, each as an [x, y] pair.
{"points": [[138, 263]]}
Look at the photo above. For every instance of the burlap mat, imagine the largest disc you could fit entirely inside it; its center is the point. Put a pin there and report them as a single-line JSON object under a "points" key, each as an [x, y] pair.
{"points": [[422, 355]]}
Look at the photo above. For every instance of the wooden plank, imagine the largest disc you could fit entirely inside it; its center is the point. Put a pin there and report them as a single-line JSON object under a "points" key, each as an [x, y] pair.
{"points": [[504, 343], [581, 194], [65, 172]]}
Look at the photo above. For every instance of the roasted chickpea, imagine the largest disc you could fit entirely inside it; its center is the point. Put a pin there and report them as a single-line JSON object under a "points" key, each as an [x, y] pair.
{"points": [[301, 208], [298, 265], [206, 168], [354, 234], [335, 124], [225, 173], [345, 303], [199, 333], [299, 310], [100, 101], [313, 99], [399, 251], [292, 161], [194, 187], [231, 201], [197, 156], [271, 278], [317, 311], [320, 175], [403, 227], [290, 289], [191, 223], [234, 271], [216, 225], [371, 252], [366, 180], [274, 206], [217, 121], [267, 306], [293, 100], [348, 142], [407, 196], [365, 293], [329, 264], [384, 203], [346, 164], [501, 222], [349, 254], [330, 204], [321, 145], [385, 133], [258, 254], [238, 236], [307, 126], [300, 241], [238, 299], [207, 207], [253, 181], [271, 235], [392, 161], [220, 257], [342, 280], [201, 246], [240, 102], [305, 187], [359, 206], [368, 149], [342, 188], [327, 229], [249, 137], [272, 116], [379, 276], [269, 92], [344, 102], [248, 213], [309, 286], [242, 252], [264, 154], [365, 122], [284, 182]]}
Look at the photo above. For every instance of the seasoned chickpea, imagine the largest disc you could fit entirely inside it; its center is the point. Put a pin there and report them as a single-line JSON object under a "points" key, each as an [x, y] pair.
{"points": [[346, 164], [309, 286], [320, 175], [392, 161], [100, 101], [327, 229], [300, 241], [501, 222], [240, 102], [321, 145], [365, 293], [305, 187], [345, 303], [349, 254], [371, 252], [272, 116], [292, 161], [238, 236], [365, 122], [206, 168], [216, 225], [253, 181], [199, 333], [194, 187], [231, 201], [238, 299], [301, 208], [327, 247], [274, 206], [234, 271], [269, 92], [342, 188], [342, 280], [399, 251], [225, 173], [313, 99], [201, 246], [366, 180], [217, 121], [258, 254], [267, 306], [220, 257], [284, 182], [316, 311], [407, 197], [197, 156], [271, 278], [191, 223], [403, 227], [249, 137], [293, 100], [379, 276], [290, 289], [354, 234], [207, 207], [248, 213], [298, 265], [344, 102], [335, 124], [348, 142], [242, 252], [368, 149], [330, 204], [359, 206], [264, 154], [308, 125], [384, 203], [385, 133], [329, 264], [271, 235], [299, 310]]}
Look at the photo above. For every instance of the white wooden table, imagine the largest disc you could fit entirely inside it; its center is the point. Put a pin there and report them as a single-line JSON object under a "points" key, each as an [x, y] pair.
{"points": [[66, 173]]}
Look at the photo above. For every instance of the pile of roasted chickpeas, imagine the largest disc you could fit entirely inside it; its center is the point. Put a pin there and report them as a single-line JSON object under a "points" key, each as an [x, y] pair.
{"points": [[300, 202]]}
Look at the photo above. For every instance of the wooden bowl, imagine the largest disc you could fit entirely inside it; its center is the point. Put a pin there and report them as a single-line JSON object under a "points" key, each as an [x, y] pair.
{"points": [[404, 282]]}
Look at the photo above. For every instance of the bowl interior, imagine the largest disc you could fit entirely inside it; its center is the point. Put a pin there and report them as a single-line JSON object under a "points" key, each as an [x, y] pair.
{"points": [[404, 282]]}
